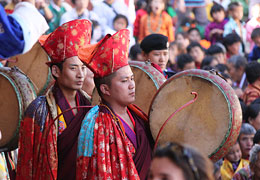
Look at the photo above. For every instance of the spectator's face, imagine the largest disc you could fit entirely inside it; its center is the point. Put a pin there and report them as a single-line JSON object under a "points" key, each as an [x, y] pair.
{"points": [[183, 41], [163, 168], [159, 57], [214, 62], [237, 13], [82, 4], [197, 54], [190, 65], [255, 122], [89, 84], [110, 1], [221, 57], [173, 52], [218, 16], [157, 6], [234, 155], [194, 36], [234, 48], [235, 73], [119, 24], [246, 144], [257, 41]]}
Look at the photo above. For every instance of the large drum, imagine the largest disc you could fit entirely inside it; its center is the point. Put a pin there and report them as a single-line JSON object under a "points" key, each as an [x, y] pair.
{"points": [[16, 93], [33, 64], [147, 81], [211, 124]]}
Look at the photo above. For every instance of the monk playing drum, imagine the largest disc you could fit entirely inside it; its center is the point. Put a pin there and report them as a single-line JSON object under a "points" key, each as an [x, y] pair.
{"points": [[114, 141], [48, 146]]}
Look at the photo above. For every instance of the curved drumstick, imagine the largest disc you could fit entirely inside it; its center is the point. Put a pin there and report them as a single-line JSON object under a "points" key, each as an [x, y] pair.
{"points": [[178, 110]]}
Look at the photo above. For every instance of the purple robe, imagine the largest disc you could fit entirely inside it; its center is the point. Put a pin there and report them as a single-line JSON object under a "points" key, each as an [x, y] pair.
{"points": [[215, 37], [68, 139]]}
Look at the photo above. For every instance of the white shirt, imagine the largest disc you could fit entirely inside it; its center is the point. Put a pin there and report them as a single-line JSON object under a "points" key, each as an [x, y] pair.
{"points": [[72, 15]]}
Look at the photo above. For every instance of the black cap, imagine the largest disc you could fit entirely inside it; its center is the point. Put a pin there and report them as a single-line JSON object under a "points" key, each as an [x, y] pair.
{"points": [[154, 42]]}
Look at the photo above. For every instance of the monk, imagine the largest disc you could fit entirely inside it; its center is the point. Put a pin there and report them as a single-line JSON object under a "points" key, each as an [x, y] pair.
{"points": [[47, 145], [115, 141]]}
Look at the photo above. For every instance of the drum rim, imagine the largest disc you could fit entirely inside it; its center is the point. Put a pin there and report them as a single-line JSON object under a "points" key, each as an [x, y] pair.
{"points": [[19, 98], [197, 73], [157, 83]]}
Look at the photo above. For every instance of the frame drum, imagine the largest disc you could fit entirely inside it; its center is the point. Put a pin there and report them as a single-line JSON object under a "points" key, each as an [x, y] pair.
{"points": [[211, 124]]}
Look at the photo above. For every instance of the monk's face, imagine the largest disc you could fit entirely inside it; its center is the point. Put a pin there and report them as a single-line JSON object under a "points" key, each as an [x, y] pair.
{"points": [[122, 88], [159, 57], [72, 75]]}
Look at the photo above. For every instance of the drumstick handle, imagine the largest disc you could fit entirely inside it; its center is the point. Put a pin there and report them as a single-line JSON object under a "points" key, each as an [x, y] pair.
{"points": [[178, 110]]}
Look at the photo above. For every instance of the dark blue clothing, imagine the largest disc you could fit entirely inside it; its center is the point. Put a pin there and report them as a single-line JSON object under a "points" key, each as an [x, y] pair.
{"points": [[11, 36], [254, 54]]}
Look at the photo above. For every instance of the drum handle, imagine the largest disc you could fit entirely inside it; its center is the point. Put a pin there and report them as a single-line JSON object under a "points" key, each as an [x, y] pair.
{"points": [[178, 110]]}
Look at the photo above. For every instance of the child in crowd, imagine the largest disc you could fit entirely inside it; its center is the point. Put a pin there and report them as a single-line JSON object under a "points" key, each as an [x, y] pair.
{"points": [[182, 40], [197, 53], [156, 21], [136, 53], [216, 51], [252, 91], [253, 23], [209, 61], [214, 30], [253, 115], [173, 53], [194, 36], [232, 162], [232, 43], [255, 53], [235, 23], [184, 62]]}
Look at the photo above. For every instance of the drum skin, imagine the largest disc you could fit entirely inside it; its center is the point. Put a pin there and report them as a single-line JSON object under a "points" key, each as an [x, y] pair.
{"points": [[33, 64], [17, 92], [211, 124], [147, 81]]}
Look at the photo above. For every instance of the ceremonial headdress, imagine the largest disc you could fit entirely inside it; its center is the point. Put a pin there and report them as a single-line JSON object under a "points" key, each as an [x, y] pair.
{"points": [[154, 42], [108, 55], [65, 41]]}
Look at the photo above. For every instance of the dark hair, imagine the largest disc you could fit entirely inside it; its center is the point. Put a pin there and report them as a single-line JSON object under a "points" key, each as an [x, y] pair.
{"points": [[118, 16], [214, 49], [216, 8], [104, 80], [252, 71], [184, 34], [134, 51], [253, 110], [59, 65], [221, 67], [183, 59], [255, 33], [244, 110], [194, 44], [256, 139], [193, 29], [233, 5], [231, 39], [207, 61], [193, 164], [256, 101]]}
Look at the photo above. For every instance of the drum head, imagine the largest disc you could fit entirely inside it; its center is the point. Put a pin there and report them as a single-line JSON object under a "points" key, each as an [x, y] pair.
{"points": [[147, 81], [33, 64], [9, 109], [208, 123]]}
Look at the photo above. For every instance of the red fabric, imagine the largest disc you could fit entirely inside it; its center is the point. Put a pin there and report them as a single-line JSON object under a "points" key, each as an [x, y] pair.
{"points": [[107, 56], [65, 41], [139, 15], [251, 93], [115, 162], [37, 157]]}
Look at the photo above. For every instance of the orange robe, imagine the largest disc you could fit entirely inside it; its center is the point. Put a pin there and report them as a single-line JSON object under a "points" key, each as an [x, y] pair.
{"points": [[251, 93], [152, 27]]}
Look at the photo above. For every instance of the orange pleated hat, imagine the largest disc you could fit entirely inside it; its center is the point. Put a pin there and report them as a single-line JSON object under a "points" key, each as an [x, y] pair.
{"points": [[108, 55], [65, 41]]}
